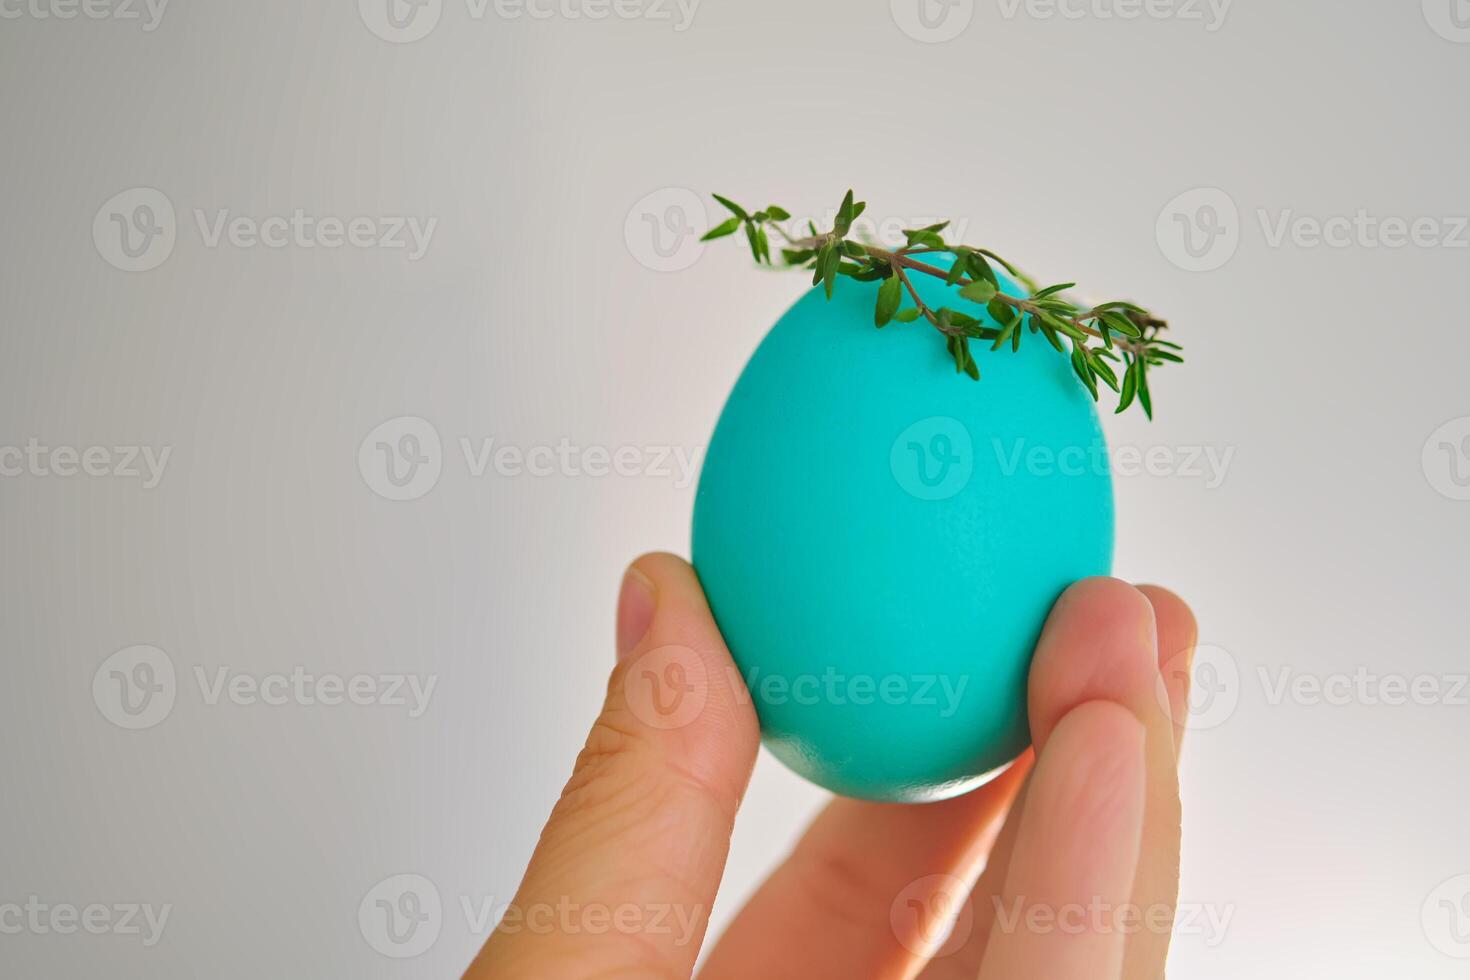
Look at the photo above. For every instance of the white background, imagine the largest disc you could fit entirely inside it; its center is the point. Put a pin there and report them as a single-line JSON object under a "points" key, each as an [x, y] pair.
{"points": [[538, 314]]}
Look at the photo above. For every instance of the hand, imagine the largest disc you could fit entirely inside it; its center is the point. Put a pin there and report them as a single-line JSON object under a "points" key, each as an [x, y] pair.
{"points": [[626, 871]]}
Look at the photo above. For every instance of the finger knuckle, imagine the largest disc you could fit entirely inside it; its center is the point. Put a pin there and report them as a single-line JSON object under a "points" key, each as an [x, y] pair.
{"points": [[610, 774]]}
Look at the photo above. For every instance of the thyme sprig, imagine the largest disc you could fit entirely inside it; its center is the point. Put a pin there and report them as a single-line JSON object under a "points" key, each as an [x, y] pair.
{"points": [[1099, 336]]}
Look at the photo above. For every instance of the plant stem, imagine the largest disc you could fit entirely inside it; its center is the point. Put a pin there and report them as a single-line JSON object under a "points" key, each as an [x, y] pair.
{"points": [[900, 261], [1127, 331]]}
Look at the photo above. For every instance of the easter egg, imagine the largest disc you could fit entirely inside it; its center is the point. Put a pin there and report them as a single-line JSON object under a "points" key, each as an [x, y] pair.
{"points": [[881, 539]]}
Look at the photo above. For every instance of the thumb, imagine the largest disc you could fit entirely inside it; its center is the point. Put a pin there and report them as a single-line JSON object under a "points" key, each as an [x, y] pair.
{"points": [[627, 867]]}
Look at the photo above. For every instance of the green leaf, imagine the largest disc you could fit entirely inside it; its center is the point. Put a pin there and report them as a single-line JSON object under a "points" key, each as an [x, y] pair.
{"points": [[1060, 325], [1052, 290], [1081, 368], [926, 238], [890, 295], [982, 292], [796, 256], [752, 236], [1130, 388], [1050, 335], [819, 267], [971, 368], [907, 315], [1144, 398], [827, 264], [1008, 267], [934, 229], [735, 209], [959, 348], [722, 229], [780, 214], [1010, 329], [1103, 370], [845, 214], [1120, 323], [1164, 355], [980, 269], [959, 267]]}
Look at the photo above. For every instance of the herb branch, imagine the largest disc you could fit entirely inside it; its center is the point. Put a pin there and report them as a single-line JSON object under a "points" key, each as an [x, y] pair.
{"points": [[1099, 337]]}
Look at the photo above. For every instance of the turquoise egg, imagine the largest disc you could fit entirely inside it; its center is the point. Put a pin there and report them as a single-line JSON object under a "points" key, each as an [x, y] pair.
{"points": [[881, 540]]}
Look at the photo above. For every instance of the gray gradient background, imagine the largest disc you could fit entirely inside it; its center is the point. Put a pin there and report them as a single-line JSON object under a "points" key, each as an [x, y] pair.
{"points": [[1324, 828]]}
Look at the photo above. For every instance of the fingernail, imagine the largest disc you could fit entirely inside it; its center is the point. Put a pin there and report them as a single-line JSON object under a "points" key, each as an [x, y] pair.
{"points": [[636, 604]]}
